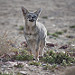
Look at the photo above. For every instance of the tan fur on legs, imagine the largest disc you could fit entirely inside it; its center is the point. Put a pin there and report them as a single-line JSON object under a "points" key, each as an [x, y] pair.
{"points": [[37, 55], [30, 52], [42, 44], [40, 52]]}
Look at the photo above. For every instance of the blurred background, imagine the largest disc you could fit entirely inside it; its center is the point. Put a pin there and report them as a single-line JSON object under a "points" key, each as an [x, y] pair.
{"points": [[57, 16]]}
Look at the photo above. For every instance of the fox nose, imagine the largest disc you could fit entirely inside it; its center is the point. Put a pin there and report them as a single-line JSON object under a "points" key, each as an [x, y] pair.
{"points": [[31, 20]]}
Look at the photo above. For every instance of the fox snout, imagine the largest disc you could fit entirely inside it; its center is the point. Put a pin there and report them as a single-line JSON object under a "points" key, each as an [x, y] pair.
{"points": [[32, 17], [31, 20]]}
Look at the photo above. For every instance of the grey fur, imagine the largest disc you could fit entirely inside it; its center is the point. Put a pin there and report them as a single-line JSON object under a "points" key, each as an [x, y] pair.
{"points": [[35, 33]]}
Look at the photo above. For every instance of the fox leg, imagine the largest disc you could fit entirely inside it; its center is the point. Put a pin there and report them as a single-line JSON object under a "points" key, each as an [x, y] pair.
{"points": [[29, 50], [40, 47], [42, 44], [34, 49], [37, 52], [29, 47], [37, 55]]}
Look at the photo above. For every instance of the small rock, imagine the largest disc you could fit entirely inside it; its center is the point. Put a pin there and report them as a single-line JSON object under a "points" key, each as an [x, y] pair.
{"points": [[24, 44], [43, 64], [70, 36], [64, 47], [72, 45], [50, 36], [23, 73], [51, 44]]}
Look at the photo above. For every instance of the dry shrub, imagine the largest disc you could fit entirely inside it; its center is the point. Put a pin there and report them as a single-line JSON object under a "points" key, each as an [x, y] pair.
{"points": [[4, 45]]}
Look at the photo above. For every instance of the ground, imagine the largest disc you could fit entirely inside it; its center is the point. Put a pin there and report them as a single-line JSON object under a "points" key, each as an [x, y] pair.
{"points": [[56, 15]]}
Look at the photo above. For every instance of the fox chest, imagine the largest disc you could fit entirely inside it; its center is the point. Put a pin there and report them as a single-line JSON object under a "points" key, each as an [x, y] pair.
{"points": [[31, 33], [30, 29]]}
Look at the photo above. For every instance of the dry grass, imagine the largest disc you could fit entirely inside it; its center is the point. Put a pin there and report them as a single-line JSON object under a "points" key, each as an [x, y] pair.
{"points": [[4, 45]]}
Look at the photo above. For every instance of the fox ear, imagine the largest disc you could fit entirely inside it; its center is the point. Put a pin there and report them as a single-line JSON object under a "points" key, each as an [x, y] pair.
{"points": [[25, 11], [38, 11]]}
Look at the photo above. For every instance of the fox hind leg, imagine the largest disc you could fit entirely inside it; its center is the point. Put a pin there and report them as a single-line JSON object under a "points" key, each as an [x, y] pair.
{"points": [[42, 44]]}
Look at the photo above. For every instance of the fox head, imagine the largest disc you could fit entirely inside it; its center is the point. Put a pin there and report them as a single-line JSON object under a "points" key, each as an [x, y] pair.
{"points": [[30, 16]]}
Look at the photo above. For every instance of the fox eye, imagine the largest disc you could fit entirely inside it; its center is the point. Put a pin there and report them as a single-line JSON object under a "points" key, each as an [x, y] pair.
{"points": [[34, 16], [28, 16]]}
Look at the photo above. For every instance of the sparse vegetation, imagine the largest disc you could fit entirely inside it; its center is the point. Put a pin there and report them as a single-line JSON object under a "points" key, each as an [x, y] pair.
{"points": [[21, 28], [34, 63], [65, 30], [56, 34], [57, 58], [49, 67], [10, 74], [59, 32], [23, 55], [19, 65], [64, 63], [50, 57], [19, 73], [48, 33], [70, 36], [44, 17], [73, 26], [6, 74]]}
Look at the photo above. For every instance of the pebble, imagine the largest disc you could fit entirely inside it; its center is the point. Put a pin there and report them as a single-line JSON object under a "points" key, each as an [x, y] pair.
{"points": [[23, 72]]}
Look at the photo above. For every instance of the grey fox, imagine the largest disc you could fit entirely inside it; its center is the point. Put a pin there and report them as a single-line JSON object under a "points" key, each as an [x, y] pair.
{"points": [[35, 33]]}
